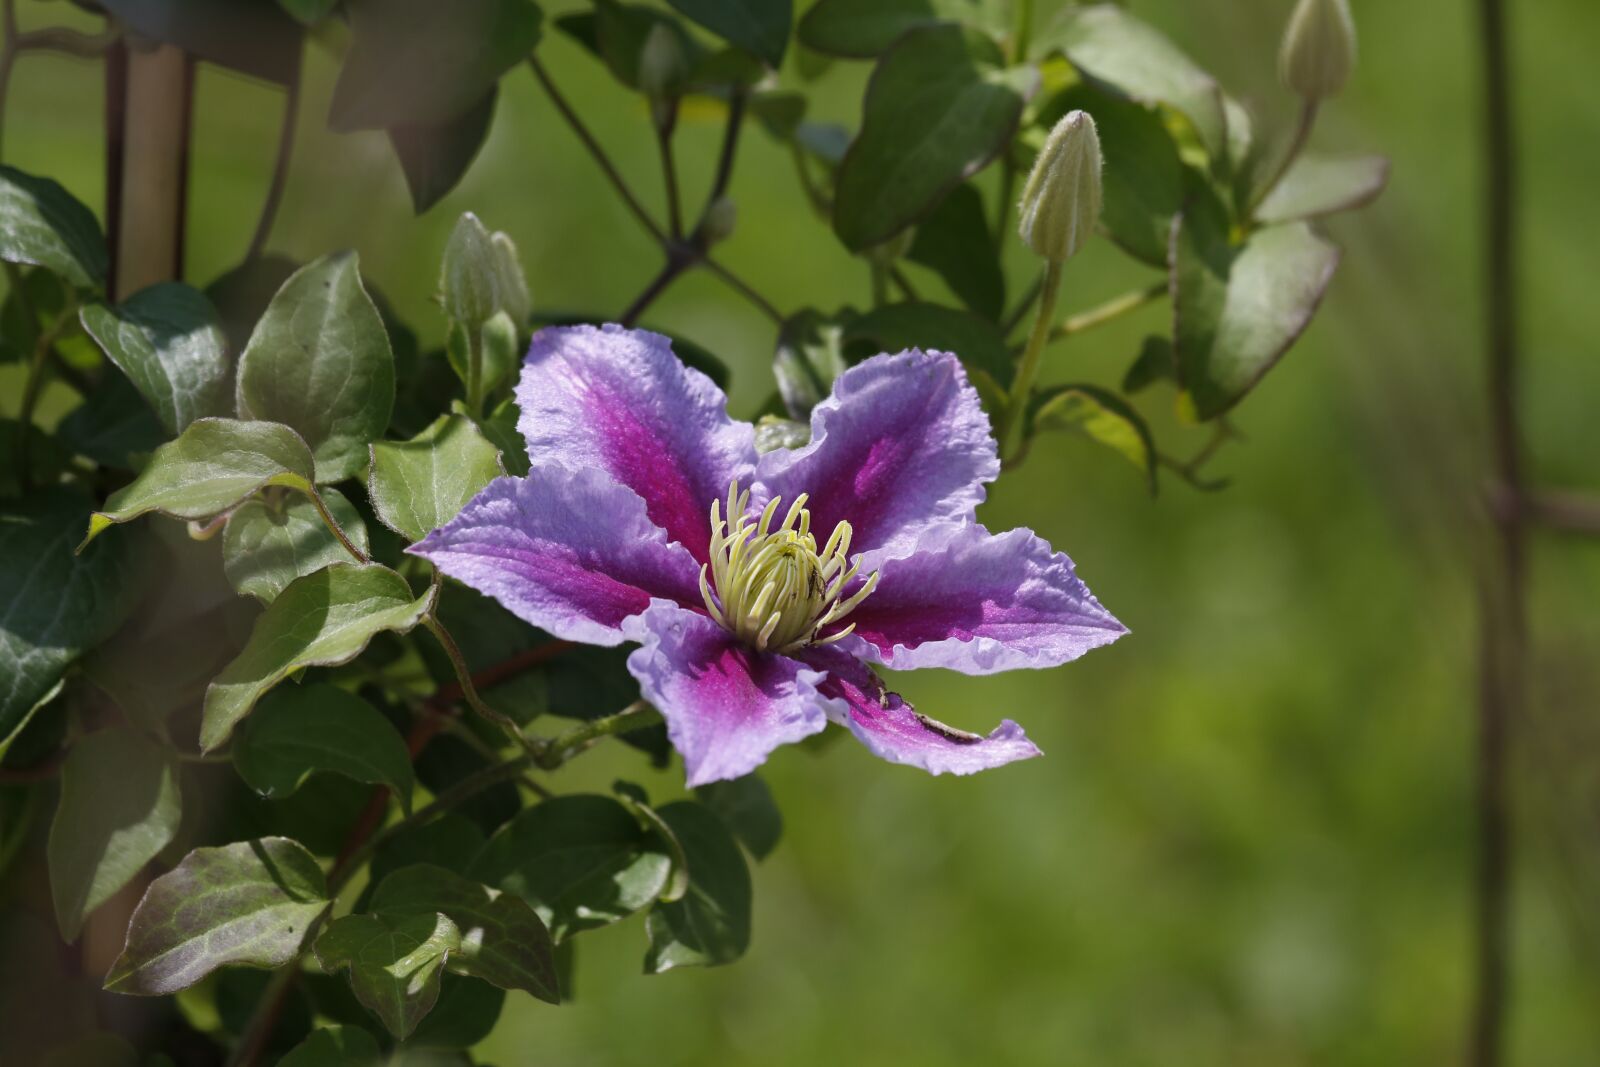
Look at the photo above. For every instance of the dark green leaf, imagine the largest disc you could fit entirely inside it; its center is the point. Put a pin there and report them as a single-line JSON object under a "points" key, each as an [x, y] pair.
{"points": [[169, 343], [1154, 363], [810, 356], [259, 39], [1238, 307], [212, 466], [309, 12], [93, 1050], [319, 361], [238, 992], [746, 806], [323, 619], [711, 924], [242, 294], [1317, 185], [865, 28], [41, 299], [502, 941], [465, 1014], [42, 223], [618, 33], [303, 729], [119, 807], [420, 61], [416, 486], [581, 861], [53, 604], [435, 155], [115, 427], [335, 1046], [394, 964], [778, 110], [978, 342], [449, 759], [940, 105], [251, 902], [449, 841], [1100, 415], [266, 545], [954, 242], [1121, 53], [501, 430], [46, 458], [759, 26]]}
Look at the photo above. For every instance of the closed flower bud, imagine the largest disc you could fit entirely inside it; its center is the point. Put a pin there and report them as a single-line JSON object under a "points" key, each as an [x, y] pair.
{"points": [[1319, 48], [720, 219], [1061, 201]]}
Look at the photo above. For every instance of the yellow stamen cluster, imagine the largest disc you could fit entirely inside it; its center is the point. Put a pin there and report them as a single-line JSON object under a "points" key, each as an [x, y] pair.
{"points": [[770, 586]]}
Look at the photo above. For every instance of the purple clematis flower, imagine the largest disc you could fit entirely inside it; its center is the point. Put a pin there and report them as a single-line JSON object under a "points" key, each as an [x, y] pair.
{"points": [[762, 588]]}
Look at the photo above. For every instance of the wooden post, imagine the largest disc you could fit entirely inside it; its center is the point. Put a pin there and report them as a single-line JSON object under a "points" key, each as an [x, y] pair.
{"points": [[151, 193]]}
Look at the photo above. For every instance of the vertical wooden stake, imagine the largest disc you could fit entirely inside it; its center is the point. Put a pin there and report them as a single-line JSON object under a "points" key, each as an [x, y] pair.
{"points": [[149, 218]]}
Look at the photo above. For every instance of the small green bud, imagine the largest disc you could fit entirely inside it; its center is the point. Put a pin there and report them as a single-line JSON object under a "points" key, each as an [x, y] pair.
{"points": [[480, 275], [721, 217], [1319, 48], [500, 350], [512, 285], [1061, 200]]}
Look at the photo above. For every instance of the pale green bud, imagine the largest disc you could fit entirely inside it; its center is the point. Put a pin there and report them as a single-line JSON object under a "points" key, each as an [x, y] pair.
{"points": [[512, 284], [721, 217], [1061, 200], [480, 275], [1319, 48]]}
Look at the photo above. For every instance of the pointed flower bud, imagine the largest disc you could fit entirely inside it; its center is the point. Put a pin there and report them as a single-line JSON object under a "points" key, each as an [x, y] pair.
{"points": [[1061, 200], [1319, 48], [721, 217]]}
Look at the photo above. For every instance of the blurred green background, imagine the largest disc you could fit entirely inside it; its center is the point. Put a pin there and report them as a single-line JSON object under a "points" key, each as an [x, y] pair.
{"points": [[1250, 842]]}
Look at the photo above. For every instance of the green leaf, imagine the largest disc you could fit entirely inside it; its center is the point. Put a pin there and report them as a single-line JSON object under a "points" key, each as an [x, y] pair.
{"points": [[212, 466], [43, 224], [419, 485], [119, 807], [115, 427], [503, 941], [861, 29], [1238, 307], [773, 433], [1100, 415], [746, 806], [319, 361], [321, 620], [168, 341], [258, 39], [1154, 363], [582, 861], [761, 27], [465, 1014], [394, 964], [1128, 56], [1318, 185], [501, 430], [954, 242], [978, 342], [435, 155], [252, 902], [449, 841], [335, 1046], [711, 923], [617, 34], [241, 295], [54, 605], [265, 546], [46, 458], [420, 61], [810, 356], [1143, 174], [304, 729], [941, 104], [309, 12]]}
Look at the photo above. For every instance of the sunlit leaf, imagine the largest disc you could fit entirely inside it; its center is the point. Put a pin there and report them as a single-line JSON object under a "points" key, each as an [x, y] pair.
{"points": [[394, 965], [168, 341], [1319, 185], [1100, 415], [43, 224], [268, 544], [419, 485]]}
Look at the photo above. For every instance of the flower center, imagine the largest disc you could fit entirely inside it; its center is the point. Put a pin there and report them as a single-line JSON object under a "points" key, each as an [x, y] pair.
{"points": [[771, 587]]}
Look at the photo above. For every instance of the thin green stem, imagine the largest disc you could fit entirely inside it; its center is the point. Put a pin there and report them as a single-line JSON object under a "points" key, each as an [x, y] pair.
{"points": [[636, 716], [669, 173], [336, 529], [1114, 308], [1302, 134], [880, 282], [36, 374], [818, 201], [1028, 369], [599, 153], [469, 691], [475, 371], [902, 283]]}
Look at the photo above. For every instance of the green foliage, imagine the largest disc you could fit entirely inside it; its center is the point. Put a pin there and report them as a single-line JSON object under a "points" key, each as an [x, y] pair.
{"points": [[167, 340], [395, 965], [710, 923], [1315, 186], [41, 223], [335, 1046], [267, 544], [253, 902], [300, 730], [419, 485], [319, 361]]}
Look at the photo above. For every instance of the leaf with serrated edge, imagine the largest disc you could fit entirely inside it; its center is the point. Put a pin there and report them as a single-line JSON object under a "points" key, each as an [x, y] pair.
{"points": [[319, 361], [252, 902], [321, 620], [419, 485], [503, 941], [303, 729], [394, 964], [212, 466], [265, 547], [119, 807], [168, 340]]}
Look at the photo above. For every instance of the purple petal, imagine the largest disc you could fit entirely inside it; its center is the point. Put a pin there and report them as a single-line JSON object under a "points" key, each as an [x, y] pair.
{"points": [[569, 551], [727, 706], [620, 401], [894, 730], [977, 602], [902, 444]]}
